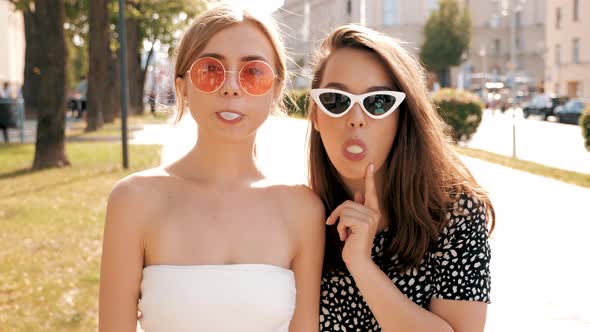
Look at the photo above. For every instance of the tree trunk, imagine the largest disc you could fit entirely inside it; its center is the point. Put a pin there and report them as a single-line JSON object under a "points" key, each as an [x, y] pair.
{"points": [[98, 57], [112, 101], [145, 69], [443, 77], [32, 75], [134, 45], [45, 26]]}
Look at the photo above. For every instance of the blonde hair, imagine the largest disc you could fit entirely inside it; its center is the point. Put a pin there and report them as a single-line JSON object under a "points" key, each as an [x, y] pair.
{"points": [[423, 176], [214, 20]]}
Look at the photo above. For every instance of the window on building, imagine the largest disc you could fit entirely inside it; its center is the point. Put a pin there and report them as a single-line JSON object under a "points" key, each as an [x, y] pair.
{"points": [[558, 55], [573, 91], [576, 10], [497, 46], [391, 12], [558, 18], [349, 7], [494, 21], [576, 50], [518, 19]]}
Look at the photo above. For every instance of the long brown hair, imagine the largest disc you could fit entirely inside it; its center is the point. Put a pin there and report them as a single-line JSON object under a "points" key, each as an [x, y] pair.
{"points": [[423, 177], [220, 17]]}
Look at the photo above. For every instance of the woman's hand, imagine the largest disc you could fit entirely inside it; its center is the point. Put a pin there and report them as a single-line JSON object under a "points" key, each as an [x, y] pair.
{"points": [[358, 222]]}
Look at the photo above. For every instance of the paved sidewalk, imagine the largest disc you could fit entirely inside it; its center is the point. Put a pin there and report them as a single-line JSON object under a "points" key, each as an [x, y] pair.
{"points": [[540, 250]]}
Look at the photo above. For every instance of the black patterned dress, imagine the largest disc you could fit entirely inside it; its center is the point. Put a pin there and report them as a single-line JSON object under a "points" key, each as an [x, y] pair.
{"points": [[457, 268]]}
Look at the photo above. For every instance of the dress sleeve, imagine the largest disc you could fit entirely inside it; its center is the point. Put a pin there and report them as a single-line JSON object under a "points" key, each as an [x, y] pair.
{"points": [[462, 256]]}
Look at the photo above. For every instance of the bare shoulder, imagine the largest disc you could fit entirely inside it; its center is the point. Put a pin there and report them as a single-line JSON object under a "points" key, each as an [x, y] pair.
{"points": [[301, 206], [136, 196], [136, 186]]}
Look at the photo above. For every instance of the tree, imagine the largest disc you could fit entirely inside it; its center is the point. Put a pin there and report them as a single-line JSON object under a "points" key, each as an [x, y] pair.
{"points": [[99, 54], [151, 22], [76, 28], [45, 77], [447, 34]]}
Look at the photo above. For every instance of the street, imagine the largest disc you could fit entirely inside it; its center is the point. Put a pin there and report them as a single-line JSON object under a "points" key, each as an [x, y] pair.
{"points": [[543, 142]]}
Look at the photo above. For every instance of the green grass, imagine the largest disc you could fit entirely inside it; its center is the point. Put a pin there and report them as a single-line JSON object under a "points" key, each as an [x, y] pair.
{"points": [[579, 179], [52, 223]]}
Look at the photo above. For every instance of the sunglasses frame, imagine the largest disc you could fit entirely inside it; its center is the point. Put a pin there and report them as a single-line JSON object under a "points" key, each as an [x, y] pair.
{"points": [[399, 98], [231, 71]]}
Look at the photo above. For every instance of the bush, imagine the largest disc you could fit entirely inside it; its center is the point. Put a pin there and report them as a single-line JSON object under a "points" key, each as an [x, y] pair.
{"points": [[461, 110], [295, 103], [585, 124]]}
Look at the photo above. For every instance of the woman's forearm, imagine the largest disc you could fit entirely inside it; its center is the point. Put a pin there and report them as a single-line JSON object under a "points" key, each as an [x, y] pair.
{"points": [[392, 309]]}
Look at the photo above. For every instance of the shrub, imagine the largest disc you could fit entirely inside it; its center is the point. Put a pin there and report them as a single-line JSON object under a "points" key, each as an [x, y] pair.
{"points": [[461, 110], [585, 124]]}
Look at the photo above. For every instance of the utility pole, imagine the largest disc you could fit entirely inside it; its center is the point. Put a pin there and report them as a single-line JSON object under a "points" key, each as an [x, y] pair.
{"points": [[483, 53], [515, 6], [124, 88], [512, 81]]}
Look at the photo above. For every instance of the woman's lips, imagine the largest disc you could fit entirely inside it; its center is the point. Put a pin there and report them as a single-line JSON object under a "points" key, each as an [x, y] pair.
{"points": [[229, 116], [354, 150]]}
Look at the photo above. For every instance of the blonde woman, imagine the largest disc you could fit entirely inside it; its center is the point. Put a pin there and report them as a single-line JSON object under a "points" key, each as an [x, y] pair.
{"points": [[208, 243]]}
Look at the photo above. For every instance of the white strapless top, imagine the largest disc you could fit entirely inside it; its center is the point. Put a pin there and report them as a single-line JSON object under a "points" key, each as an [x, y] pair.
{"points": [[240, 297]]}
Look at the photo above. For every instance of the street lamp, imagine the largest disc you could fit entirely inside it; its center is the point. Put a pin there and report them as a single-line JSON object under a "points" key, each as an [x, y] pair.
{"points": [[510, 8], [124, 88], [484, 90]]}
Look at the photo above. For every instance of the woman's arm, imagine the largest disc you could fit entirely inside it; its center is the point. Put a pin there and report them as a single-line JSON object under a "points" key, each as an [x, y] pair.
{"points": [[122, 260], [395, 312], [467, 240], [307, 263]]}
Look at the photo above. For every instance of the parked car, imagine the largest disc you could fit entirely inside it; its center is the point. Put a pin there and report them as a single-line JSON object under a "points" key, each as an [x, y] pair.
{"points": [[543, 105], [571, 111]]}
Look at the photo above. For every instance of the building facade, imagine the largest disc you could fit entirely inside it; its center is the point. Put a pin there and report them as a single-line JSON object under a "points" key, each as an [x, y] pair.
{"points": [[12, 38], [567, 65], [488, 59]]}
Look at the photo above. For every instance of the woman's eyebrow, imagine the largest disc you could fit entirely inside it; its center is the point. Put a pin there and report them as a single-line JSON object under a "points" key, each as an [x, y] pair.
{"points": [[337, 86], [243, 59], [379, 88], [344, 87]]}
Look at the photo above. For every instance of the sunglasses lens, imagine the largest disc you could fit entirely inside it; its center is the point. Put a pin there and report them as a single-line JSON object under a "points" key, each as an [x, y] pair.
{"points": [[334, 103], [378, 104], [207, 74], [256, 77]]}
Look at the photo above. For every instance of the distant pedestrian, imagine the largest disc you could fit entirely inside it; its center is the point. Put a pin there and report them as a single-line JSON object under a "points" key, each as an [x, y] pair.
{"points": [[5, 115], [6, 92], [152, 102]]}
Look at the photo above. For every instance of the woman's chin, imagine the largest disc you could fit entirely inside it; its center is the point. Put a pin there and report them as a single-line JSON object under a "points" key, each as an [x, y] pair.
{"points": [[352, 172]]}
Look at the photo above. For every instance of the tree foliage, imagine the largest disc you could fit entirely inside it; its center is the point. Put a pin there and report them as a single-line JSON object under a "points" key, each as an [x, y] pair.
{"points": [[447, 34]]}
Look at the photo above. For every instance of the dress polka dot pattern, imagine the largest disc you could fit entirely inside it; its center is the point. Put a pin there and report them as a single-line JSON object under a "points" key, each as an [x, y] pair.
{"points": [[456, 268]]}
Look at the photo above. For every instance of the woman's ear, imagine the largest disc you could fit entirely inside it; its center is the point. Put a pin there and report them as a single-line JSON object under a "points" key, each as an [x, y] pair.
{"points": [[314, 116], [181, 88], [277, 90]]}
